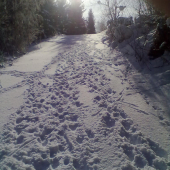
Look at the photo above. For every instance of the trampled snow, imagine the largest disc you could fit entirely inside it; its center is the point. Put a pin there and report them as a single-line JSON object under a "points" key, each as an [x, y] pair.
{"points": [[73, 103]]}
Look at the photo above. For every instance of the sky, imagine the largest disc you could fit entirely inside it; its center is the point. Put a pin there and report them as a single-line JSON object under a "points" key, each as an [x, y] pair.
{"points": [[94, 6], [98, 9]]}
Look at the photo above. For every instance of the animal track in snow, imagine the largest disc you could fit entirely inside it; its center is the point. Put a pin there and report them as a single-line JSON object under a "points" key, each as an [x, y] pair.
{"points": [[108, 120], [72, 119]]}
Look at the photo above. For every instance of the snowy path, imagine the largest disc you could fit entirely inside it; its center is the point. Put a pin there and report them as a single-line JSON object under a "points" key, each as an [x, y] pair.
{"points": [[75, 109]]}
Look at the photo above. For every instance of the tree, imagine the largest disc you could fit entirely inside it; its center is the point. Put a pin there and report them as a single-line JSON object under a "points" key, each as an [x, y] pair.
{"points": [[61, 16], [112, 12], [76, 23], [91, 23], [54, 17], [112, 8], [19, 24], [22, 22], [48, 12]]}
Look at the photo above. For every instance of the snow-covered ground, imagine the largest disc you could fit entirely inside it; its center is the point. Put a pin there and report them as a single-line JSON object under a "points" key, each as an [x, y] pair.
{"points": [[72, 103]]}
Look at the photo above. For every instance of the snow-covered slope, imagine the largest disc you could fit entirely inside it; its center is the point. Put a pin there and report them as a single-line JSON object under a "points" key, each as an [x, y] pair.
{"points": [[75, 104]]}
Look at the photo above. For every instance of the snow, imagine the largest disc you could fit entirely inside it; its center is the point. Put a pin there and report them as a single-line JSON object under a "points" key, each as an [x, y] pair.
{"points": [[9, 80], [73, 103], [9, 103], [35, 60], [100, 46], [122, 33]]}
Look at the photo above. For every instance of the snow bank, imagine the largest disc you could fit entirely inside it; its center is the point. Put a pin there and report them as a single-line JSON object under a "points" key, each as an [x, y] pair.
{"points": [[122, 33]]}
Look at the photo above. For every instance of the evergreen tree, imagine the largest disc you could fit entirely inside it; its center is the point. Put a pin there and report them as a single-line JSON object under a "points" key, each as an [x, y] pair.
{"points": [[91, 23], [19, 24], [61, 16], [54, 17], [76, 23], [48, 12]]}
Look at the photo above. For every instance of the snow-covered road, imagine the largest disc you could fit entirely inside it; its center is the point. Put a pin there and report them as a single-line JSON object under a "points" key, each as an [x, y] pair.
{"points": [[72, 103]]}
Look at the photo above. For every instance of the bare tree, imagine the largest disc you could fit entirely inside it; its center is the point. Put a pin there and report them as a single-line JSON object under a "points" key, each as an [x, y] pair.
{"points": [[112, 8]]}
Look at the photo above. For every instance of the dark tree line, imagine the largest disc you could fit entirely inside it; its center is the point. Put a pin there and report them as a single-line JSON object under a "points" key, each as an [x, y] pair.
{"points": [[24, 22]]}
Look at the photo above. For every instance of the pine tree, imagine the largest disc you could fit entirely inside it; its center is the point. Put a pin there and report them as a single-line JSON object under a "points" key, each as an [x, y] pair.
{"points": [[91, 23], [19, 24], [76, 23], [54, 17], [61, 16], [48, 12]]}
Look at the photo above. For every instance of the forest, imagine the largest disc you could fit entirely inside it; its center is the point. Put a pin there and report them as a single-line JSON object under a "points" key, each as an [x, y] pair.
{"points": [[25, 22]]}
